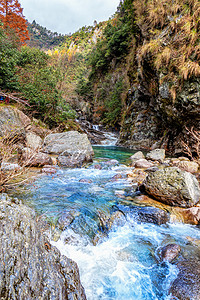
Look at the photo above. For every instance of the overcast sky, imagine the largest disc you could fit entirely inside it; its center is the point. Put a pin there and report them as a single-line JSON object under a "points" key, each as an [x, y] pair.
{"points": [[64, 16]]}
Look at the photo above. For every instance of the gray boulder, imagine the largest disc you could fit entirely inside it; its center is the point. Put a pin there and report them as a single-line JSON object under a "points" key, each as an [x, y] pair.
{"points": [[173, 186], [11, 125], [71, 141], [31, 267], [156, 154], [72, 147]]}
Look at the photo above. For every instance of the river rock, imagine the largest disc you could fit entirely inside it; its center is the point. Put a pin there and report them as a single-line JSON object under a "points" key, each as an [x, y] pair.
{"points": [[156, 154], [29, 157], [152, 215], [186, 215], [31, 268], [170, 252], [173, 186], [187, 284], [33, 140], [71, 142], [142, 164], [117, 218], [137, 155], [71, 161], [65, 220], [49, 169]]}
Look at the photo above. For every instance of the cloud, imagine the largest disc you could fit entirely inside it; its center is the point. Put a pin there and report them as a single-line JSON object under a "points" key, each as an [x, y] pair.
{"points": [[66, 16]]}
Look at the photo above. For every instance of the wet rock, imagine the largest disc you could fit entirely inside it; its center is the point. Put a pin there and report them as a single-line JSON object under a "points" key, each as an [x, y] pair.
{"points": [[137, 155], [173, 186], [186, 215], [98, 167], [142, 164], [65, 220], [170, 252], [33, 140], [116, 177], [71, 142], [111, 162], [117, 219], [152, 215], [31, 268], [187, 284], [156, 154], [85, 180], [30, 157], [49, 169]]}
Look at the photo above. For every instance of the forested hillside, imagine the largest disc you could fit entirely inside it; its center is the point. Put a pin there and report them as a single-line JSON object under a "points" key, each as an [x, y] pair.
{"points": [[138, 72], [42, 38]]}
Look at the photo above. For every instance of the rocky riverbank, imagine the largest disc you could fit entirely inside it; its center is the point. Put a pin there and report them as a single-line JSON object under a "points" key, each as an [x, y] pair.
{"points": [[31, 268]]}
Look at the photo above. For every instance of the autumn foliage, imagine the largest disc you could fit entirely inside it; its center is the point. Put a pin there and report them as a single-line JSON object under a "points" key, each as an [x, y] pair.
{"points": [[11, 15]]}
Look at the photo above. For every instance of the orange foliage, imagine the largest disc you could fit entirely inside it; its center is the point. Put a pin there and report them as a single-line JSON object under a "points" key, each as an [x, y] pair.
{"points": [[11, 14]]}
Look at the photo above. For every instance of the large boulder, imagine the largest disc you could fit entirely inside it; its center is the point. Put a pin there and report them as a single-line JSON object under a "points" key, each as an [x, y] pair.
{"points": [[31, 267], [173, 186], [187, 284], [70, 145], [11, 125]]}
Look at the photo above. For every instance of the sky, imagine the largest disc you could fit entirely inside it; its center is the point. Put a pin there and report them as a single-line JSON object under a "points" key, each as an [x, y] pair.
{"points": [[67, 16]]}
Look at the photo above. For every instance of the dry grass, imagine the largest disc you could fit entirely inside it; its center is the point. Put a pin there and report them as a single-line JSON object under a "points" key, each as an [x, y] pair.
{"points": [[8, 154], [172, 38]]}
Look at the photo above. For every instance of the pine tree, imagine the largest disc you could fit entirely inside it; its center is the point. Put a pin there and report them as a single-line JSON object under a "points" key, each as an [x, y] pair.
{"points": [[11, 15]]}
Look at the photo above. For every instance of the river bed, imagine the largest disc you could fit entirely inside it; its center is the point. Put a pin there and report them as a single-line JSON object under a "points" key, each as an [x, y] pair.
{"points": [[116, 263]]}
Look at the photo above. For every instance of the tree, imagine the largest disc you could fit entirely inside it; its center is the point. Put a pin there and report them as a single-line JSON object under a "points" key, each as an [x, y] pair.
{"points": [[11, 14]]}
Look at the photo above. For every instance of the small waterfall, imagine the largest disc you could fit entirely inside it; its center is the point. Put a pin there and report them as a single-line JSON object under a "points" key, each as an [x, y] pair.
{"points": [[110, 139], [96, 127]]}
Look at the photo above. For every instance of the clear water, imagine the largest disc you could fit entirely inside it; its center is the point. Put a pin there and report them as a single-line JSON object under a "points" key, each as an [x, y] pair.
{"points": [[120, 263], [112, 152]]}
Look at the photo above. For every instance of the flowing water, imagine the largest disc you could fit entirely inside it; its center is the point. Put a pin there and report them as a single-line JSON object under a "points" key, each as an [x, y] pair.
{"points": [[118, 261]]}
